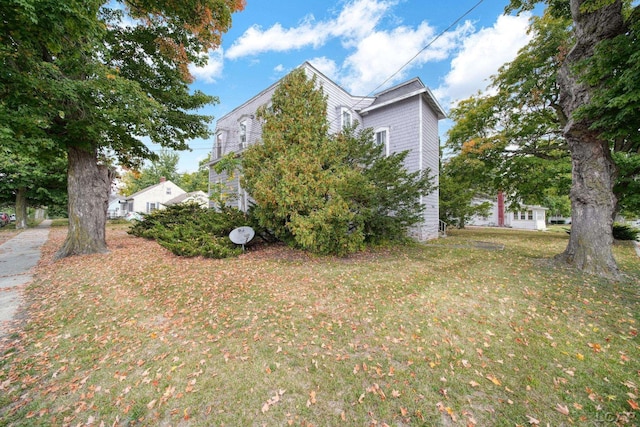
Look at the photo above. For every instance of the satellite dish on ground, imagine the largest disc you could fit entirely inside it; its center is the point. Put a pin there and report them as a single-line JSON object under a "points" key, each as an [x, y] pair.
{"points": [[242, 235]]}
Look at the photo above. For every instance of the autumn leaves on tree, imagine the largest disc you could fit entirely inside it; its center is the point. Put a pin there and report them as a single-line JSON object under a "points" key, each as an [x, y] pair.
{"points": [[97, 84]]}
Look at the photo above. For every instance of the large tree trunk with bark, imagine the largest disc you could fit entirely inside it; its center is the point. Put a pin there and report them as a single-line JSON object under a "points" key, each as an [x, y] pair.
{"points": [[593, 176], [88, 187], [21, 208]]}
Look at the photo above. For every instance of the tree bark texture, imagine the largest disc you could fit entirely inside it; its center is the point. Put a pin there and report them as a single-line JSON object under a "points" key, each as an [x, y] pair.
{"points": [[21, 208], [593, 170], [88, 188]]}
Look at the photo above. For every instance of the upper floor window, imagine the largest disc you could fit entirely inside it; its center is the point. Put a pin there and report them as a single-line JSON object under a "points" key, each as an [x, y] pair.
{"points": [[382, 138], [219, 141], [168, 190], [347, 118], [243, 134]]}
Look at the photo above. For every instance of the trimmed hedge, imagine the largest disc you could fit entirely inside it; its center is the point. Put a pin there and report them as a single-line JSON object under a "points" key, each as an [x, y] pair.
{"points": [[190, 230]]}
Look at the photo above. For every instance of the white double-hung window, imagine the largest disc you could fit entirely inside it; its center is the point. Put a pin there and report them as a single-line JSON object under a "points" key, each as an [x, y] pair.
{"points": [[381, 136], [243, 135], [219, 142], [346, 117]]}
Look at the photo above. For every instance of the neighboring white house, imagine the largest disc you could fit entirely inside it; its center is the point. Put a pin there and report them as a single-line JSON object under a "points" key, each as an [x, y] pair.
{"points": [[116, 207], [154, 197], [527, 217], [404, 117], [199, 197]]}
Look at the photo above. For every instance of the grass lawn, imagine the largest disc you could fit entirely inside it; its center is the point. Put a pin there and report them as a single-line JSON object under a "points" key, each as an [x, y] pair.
{"points": [[475, 329]]}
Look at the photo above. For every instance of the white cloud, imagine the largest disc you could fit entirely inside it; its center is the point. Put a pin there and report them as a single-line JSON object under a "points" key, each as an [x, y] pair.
{"points": [[356, 20], [383, 54], [378, 58], [278, 68], [212, 70], [326, 66], [256, 40], [481, 55], [359, 19]]}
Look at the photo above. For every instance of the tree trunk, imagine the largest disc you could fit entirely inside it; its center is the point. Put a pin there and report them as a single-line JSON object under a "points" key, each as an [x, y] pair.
{"points": [[593, 173], [592, 207], [88, 188], [21, 208]]}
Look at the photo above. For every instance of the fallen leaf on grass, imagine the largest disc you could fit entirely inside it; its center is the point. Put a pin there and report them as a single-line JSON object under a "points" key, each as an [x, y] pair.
{"points": [[634, 405], [533, 421], [595, 347], [562, 409], [272, 401], [312, 398], [493, 379]]}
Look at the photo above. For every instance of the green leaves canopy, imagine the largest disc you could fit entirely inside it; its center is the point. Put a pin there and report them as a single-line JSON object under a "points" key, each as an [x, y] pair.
{"points": [[91, 79]]}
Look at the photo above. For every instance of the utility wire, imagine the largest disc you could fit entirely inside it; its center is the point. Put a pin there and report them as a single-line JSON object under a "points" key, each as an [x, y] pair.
{"points": [[428, 45], [440, 34]]}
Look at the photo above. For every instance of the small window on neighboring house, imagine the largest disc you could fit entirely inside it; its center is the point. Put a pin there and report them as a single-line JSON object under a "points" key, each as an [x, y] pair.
{"points": [[151, 207], [515, 216], [346, 118], [243, 134], [382, 138], [168, 190], [523, 215], [219, 141], [530, 215]]}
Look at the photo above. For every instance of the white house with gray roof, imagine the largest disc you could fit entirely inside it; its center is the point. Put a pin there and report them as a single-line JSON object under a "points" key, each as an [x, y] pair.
{"points": [[403, 117]]}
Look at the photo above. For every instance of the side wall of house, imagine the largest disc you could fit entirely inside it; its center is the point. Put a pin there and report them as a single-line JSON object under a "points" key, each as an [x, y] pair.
{"points": [[337, 100], [228, 130], [431, 161], [158, 194], [412, 125]]}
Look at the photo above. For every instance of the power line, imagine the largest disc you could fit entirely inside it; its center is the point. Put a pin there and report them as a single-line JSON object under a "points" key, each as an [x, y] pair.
{"points": [[428, 45], [425, 47], [419, 52]]}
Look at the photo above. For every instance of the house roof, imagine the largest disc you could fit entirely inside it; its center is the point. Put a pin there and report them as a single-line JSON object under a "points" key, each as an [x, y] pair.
{"points": [[408, 89], [144, 190], [181, 198], [396, 93]]}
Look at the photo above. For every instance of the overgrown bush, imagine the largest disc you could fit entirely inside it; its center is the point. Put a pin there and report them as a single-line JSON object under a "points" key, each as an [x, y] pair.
{"points": [[327, 193], [189, 230], [625, 232]]}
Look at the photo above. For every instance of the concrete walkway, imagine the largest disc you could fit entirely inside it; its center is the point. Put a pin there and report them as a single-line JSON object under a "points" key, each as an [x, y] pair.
{"points": [[18, 256]]}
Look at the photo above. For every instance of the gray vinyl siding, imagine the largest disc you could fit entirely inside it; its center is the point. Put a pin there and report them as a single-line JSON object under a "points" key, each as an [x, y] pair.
{"points": [[403, 122], [338, 98], [408, 111], [430, 160]]}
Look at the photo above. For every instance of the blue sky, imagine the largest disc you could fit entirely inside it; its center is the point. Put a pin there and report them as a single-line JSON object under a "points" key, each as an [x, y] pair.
{"points": [[360, 44]]}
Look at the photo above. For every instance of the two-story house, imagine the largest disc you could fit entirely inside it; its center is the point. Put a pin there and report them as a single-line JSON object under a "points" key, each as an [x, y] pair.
{"points": [[404, 117]]}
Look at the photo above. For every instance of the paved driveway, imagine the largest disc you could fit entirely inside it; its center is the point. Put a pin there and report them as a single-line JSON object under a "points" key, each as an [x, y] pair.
{"points": [[18, 256]]}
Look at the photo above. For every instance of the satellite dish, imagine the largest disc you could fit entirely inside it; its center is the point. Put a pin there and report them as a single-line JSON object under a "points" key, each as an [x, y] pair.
{"points": [[242, 235]]}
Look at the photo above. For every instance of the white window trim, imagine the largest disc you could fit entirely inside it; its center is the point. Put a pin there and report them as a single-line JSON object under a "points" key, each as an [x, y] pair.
{"points": [[219, 148], [343, 111], [385, 129], [242, 144]]}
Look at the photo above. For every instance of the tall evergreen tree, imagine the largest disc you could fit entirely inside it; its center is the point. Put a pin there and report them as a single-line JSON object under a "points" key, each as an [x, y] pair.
{"points": [[329, 194]]}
